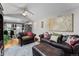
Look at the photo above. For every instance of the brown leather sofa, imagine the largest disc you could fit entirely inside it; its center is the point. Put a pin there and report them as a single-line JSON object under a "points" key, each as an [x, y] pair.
{"points": [[66, 49]]}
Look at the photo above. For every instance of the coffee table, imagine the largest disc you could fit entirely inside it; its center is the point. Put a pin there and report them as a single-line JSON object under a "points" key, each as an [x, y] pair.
{"points": [[44, 49]]}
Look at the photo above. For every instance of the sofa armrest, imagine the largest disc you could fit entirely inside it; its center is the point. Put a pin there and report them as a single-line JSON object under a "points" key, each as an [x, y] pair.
{"points": [[76, 49], [34, 35], [41, 35]]}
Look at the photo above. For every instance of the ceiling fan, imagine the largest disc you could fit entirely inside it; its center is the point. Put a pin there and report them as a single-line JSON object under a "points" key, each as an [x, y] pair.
{"points": [[25, 11]]}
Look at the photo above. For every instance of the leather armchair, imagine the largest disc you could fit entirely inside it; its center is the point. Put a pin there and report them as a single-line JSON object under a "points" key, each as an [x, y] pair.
{"points": [[26, 40]]}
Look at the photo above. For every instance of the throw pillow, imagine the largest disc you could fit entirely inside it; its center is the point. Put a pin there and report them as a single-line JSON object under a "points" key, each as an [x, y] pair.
{"points": [[29, 33], [46, 35], [72, 40], [54, 38], [65, 37]]}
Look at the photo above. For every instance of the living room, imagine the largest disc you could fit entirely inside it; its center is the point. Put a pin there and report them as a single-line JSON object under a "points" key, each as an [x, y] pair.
{"points": [[32, 20]]}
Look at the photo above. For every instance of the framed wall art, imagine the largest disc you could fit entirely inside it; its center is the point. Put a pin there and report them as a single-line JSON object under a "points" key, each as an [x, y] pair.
{"points": [[61, 24]]}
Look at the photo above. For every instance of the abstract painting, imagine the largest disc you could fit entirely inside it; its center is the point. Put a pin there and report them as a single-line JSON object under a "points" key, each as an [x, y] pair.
{"points": [[61, 24]]}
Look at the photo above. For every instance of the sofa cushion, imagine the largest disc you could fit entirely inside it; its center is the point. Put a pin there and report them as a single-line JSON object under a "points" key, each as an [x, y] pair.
{"points": [[56, 34], [65, 47], [26, 37]]}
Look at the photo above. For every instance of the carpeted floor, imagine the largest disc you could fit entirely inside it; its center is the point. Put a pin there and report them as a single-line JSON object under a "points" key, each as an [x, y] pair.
{"points": [[17, 50]]}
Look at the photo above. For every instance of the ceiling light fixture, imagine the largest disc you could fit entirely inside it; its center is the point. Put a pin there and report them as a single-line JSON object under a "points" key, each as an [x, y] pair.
{"points": [[26, 13]]}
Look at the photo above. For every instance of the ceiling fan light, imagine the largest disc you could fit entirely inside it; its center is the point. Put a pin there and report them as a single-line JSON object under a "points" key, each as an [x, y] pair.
{"points": [[26, 13]]}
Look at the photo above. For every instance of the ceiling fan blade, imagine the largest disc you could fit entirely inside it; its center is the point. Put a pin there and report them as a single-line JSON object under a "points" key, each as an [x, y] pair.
{"points": [[23, 8], [30, 12]]}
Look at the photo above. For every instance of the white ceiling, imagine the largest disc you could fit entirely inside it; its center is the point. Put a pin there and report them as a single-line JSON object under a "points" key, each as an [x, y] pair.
{"points": [[39, 10]]}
